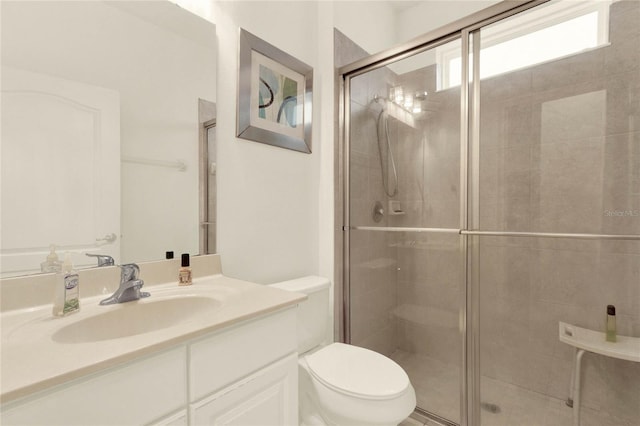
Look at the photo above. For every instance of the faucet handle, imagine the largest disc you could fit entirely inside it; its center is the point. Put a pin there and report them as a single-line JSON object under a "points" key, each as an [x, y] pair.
{"points": [[103, 259], [130, 271]]}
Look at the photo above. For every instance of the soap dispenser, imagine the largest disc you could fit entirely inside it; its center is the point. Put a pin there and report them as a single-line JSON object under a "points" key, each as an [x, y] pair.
{"points": [[52, 264], [67, 299]]}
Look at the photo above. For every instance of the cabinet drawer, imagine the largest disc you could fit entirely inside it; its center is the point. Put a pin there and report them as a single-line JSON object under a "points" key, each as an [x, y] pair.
{"points": [[136, 394], [225, 357]]}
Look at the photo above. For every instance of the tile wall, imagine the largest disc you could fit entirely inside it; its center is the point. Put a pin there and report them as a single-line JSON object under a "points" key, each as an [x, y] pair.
{"points": [[373, 262], [560, 152]]}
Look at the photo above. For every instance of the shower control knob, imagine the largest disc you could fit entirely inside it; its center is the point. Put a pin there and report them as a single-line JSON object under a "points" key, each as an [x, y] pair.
{"points": [[378, 212]]}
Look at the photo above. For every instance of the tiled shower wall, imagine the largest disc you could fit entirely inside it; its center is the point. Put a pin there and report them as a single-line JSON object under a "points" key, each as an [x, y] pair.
{"points": [[560, 152], [373, 260], [391, 308]]}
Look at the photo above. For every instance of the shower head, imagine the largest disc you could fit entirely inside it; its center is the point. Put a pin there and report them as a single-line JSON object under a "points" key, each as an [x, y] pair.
{"points": [[381, 102], [420, 96]]}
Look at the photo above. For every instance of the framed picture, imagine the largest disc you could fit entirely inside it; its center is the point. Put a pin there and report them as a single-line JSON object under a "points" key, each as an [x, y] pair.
{"points": [[274, 96]]}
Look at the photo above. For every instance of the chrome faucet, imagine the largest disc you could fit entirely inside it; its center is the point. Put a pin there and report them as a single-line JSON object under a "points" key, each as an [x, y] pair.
{"points": [[103, 259], [130, 286]]}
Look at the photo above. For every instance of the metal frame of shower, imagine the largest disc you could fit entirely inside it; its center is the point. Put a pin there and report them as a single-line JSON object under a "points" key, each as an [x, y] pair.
{"points": [[468, 31]]}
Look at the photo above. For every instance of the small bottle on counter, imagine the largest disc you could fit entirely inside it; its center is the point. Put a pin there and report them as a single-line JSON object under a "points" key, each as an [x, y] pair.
{"points": [[184, 274], [611, 323], [67, 293]]}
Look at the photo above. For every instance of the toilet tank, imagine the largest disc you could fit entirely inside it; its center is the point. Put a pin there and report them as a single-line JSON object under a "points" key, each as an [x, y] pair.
{"points": [[313, 313]]}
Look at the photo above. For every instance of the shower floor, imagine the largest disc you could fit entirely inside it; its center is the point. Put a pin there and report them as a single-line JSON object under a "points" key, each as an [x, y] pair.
{"points": [[437, 390]]}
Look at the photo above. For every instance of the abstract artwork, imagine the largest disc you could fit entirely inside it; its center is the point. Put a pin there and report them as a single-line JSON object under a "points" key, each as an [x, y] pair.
{"points": [[274, 96], [278, 97]]}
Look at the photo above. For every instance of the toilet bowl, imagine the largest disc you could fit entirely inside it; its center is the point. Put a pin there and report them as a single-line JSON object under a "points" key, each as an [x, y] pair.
{"points": [[342, 384]]}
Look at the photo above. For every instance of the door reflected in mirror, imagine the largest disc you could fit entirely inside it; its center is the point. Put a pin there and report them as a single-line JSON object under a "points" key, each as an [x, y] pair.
{"points": [[102, 126]]}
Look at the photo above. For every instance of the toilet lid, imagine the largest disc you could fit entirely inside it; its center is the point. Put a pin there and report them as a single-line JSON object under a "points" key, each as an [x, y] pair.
{"points": [[358, 371]]}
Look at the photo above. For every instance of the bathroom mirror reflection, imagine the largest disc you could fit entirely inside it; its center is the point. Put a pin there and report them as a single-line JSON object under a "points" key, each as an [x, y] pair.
{"points": [[104, 146]]}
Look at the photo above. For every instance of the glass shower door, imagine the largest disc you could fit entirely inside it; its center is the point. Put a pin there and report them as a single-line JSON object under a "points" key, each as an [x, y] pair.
{"points": [[534, 223], [405, 269], [559, 157]]}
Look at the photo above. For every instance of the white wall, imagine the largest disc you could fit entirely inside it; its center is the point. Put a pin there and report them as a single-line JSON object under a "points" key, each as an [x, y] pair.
{"points": [[268, 197], [431, 14], [326, 89]]}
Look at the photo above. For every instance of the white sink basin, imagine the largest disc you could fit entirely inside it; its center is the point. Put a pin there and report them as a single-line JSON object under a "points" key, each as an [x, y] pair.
{"points": [[134, 318], [39, 351]]}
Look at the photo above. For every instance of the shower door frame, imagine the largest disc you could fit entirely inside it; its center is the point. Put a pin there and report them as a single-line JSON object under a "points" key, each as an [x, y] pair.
{"points": [[468, 31]]}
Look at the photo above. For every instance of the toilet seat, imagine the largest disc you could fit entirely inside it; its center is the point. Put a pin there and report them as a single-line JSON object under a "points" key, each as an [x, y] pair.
{"points": [[358, 372]]}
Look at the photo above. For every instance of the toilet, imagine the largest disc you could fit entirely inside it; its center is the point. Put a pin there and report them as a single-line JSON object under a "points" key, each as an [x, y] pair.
{"points": [[341, 384]]}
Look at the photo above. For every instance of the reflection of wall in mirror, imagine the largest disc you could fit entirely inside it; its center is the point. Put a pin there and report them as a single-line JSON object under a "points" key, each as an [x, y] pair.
{"points": [[160, 59]]}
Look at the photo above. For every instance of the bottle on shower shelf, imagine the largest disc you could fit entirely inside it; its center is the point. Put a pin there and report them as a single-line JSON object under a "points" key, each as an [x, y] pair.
{"points": [[611, 323]]}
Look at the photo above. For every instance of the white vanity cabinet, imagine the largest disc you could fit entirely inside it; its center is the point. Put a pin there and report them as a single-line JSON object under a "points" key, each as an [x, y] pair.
{"points": [[267, 392], [264, 398], [176, 419], [244, 374], [135, 393]]}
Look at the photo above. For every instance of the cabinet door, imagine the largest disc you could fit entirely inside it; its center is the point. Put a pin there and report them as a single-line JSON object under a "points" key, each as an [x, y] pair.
{"points": [[133, 394], [267, 397], [223, 358], [178, 419]]}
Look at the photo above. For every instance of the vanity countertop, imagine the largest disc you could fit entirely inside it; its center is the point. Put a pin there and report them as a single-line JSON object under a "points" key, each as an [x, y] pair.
{"points": [[34, 359]]}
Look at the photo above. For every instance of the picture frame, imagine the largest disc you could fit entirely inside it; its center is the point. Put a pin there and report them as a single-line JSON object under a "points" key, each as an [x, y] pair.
{"points": [[275, 96]]}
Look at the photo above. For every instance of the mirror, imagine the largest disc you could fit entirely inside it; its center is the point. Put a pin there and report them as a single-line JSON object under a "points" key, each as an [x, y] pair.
{"points": [[105, 109]]}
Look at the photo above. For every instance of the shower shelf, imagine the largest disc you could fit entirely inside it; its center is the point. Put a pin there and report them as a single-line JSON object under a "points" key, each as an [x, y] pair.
{"points": [[585, 340], [627, 348]]}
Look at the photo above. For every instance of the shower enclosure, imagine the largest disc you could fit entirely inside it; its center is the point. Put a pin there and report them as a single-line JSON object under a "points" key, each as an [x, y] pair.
{"points": [[491, 188]]}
